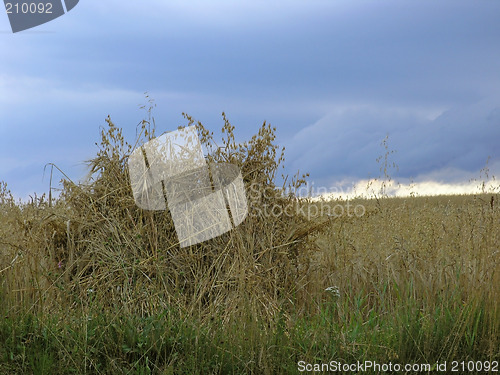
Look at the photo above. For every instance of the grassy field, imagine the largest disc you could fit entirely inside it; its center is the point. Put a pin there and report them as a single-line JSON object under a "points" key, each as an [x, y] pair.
{"points": [[91, 284]]}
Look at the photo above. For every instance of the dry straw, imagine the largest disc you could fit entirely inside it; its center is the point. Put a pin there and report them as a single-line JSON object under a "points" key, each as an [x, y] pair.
{"points": [[94, 237], [422, 271]]}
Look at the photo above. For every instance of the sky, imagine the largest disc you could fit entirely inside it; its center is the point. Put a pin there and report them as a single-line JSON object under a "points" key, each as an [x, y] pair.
{"points": [[335, 77]]}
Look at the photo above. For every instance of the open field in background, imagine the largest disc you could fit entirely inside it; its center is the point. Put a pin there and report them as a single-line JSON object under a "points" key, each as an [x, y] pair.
{"points": [[91, 284]]}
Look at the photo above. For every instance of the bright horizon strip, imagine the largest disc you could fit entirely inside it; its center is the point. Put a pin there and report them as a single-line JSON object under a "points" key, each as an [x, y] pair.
{"points": [[372, 188], [392, 189]]}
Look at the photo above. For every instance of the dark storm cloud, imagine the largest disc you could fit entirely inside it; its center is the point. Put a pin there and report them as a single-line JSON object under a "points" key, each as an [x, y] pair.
{"points": [[288, 62], [347, 144]]}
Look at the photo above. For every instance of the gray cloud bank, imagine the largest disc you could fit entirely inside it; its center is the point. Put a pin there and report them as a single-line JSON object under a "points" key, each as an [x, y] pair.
{"points": [[333, 76], [450, 147]]}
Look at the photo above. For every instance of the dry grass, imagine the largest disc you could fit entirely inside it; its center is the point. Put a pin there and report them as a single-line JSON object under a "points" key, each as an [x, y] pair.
{"points": [[404, 269], [95, 238]]}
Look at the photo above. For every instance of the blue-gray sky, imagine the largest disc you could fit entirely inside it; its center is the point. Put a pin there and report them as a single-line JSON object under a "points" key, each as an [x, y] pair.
{"points": [[334, 76]]}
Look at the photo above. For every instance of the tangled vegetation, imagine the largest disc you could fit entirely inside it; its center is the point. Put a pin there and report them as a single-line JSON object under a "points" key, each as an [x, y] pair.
{"points": [[91, 283]]}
